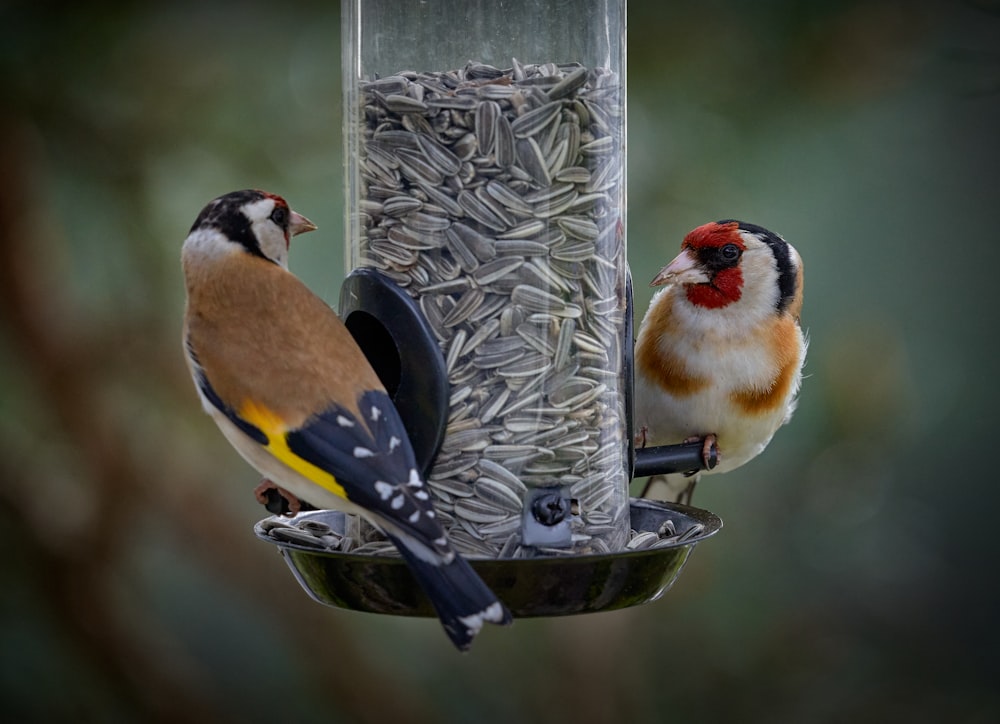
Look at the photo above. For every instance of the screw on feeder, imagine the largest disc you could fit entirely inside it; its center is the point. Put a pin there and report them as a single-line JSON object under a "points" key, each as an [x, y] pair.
{"points": [[550, 508], [545, 521]]}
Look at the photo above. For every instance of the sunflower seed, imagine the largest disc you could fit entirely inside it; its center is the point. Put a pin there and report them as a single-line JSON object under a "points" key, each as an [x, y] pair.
{"points": [[573, 252], [479, 511], [444, 469], [556, 205], [491, 271], [505, 150], [404, 104], [454, 351], [465, 147], [573, 174], [417, 169], [532, 160], [392, 84], [468, 440], [539, 337], [520, 247], [568, 84], [484, 332], [487, 113], [524, 230], [400, 205], [493, 406], [535, 299], [495, 207], [503, 528], [436, 195], [450, 286], [478, 245], [463, 255], [491, 305], [598, 147], [498, 494], [440, 157], [419, 221], [576, 394], [413, 239], [507, 196], [464, 307], [294, 535], [458, 103], [479, 211], [535, 120], [394, 253], [692, 532]]}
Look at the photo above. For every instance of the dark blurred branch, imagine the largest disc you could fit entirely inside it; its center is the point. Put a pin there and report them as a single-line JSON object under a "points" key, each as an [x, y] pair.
{"points": [[70, 363], [73, 579]]}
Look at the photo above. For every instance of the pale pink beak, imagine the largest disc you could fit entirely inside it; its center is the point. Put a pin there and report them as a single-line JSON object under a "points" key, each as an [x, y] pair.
{"points": [[684, 269], [299, 224]]}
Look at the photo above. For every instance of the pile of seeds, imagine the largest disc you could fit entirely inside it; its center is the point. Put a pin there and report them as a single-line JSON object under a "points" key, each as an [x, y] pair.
{"points": [[494, 197], [316, 534]]}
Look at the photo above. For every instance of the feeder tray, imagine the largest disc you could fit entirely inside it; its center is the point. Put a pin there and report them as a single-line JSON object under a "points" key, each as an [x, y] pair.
{"points": [[393, 333], [548, 586]]}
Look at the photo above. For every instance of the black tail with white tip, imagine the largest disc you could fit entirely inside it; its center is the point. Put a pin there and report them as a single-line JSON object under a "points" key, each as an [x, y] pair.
{"points": [[462, 601]]}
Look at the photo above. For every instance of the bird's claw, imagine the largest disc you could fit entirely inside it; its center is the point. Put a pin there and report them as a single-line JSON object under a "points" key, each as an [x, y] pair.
{"points": [[277, 500], [711, 456]]}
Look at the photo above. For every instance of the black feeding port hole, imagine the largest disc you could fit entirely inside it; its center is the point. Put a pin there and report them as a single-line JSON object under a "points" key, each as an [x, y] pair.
{"points": [[399, 344], [379, 347]]}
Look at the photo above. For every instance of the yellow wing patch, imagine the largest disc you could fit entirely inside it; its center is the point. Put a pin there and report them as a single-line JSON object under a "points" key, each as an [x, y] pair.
{"points": [[271, 424]]}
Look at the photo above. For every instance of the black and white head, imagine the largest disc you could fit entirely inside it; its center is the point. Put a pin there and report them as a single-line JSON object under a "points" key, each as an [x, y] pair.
{"points": [[259, 222]]}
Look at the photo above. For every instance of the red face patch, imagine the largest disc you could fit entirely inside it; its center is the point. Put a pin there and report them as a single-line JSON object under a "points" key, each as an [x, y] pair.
{"points": [[726, 285], [714, 235], [725, 288]]}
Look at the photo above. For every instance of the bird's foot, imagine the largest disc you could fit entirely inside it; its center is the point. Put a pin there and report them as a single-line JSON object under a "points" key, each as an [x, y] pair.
{"points": [[711, 456], [277, 500], [639, 440]]}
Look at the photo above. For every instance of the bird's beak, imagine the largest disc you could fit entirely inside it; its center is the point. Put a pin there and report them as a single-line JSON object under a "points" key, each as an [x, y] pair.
{"points": [[684, 269], [300, 224]]}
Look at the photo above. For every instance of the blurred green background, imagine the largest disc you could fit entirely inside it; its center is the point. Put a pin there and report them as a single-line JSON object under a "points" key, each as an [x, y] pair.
{"points": [[855, 578]]}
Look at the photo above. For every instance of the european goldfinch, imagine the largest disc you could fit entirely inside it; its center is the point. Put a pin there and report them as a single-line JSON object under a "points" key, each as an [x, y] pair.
{"points": [[719, 353], [285, 382]]}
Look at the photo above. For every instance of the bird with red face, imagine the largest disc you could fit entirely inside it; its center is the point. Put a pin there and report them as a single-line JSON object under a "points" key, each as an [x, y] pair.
{"points": [[719, 353]]}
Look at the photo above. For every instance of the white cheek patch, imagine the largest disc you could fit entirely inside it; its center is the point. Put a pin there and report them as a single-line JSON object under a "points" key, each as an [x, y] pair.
{"points": [[271, 237]]}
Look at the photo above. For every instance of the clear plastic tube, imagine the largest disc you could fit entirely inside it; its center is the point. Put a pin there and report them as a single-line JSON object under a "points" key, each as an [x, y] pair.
{"points": [[485, 147]]}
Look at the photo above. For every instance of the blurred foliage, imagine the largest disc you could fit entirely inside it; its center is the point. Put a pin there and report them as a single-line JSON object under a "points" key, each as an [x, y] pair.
{"points": [[855, 577]]}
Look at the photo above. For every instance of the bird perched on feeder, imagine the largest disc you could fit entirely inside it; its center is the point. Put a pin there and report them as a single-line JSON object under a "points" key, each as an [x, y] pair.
{"points": [[719, 353], [285, 382]]}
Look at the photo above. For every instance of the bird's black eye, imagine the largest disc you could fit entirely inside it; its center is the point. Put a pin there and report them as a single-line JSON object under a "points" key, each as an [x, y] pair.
{"points": [[730, 252], [280, 216]]}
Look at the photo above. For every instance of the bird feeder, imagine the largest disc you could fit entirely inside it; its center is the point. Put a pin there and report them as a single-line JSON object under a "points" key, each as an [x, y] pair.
{"points": [[485, 183]]}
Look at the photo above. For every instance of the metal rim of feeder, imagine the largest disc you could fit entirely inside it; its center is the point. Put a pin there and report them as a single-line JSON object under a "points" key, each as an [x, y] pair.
{"points": [[557, 585]]}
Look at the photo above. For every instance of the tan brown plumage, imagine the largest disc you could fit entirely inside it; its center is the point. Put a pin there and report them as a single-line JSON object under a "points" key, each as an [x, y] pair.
{"points": [[312, 348], [293, 393]]}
